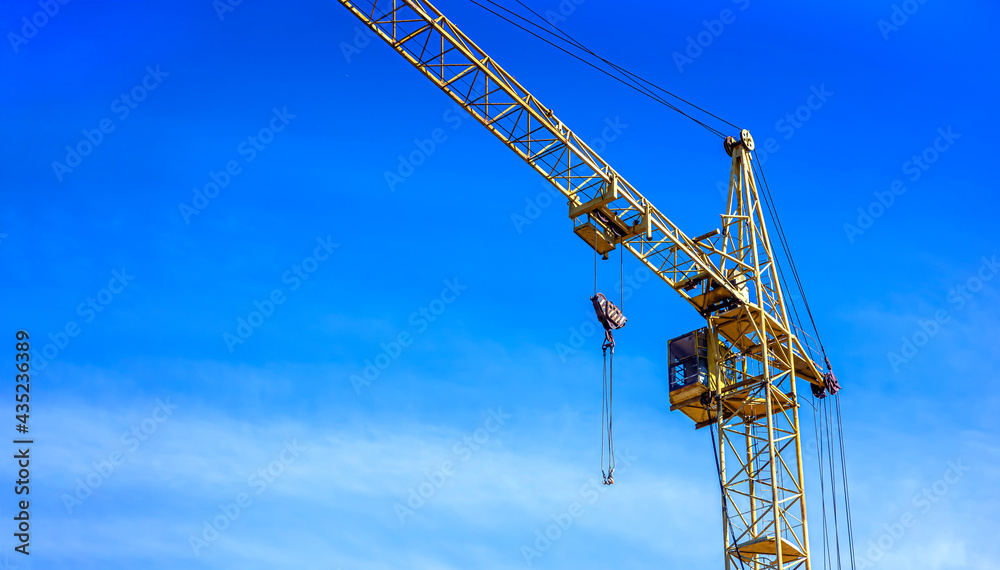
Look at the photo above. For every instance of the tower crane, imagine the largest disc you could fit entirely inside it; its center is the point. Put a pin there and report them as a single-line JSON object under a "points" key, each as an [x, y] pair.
{"points": [[739, 374]]}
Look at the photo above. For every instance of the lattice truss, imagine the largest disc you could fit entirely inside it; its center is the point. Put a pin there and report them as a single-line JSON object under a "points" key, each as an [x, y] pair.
{"points": [[744, 247], [760, 463], [727, 275], [469, 76], [599, 198], [747, 260]]}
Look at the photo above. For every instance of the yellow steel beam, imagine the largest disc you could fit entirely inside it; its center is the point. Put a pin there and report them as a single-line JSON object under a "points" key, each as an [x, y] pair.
{"points": [[728, 275], [447, 57]]}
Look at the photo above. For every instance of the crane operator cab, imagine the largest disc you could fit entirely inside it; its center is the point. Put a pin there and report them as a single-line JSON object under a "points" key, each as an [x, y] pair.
{"points": [[691, 361]]}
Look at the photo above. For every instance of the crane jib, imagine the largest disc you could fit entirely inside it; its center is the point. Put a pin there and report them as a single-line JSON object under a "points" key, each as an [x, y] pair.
{"points": [[738, 374], [607, 210]]}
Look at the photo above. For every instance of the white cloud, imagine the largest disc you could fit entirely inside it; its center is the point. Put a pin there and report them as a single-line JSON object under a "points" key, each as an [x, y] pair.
{"points": [[336, 500]]}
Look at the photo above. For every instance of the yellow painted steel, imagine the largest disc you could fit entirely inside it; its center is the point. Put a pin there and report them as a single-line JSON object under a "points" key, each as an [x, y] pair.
{"points": [[728, 275]]}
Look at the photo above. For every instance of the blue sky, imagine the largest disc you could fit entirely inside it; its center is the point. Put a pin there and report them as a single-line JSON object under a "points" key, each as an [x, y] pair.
{"points": [[298, 119]]}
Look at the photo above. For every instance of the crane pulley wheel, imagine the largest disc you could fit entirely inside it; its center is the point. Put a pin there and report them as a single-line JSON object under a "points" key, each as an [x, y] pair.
{"points": [[746, 140]]}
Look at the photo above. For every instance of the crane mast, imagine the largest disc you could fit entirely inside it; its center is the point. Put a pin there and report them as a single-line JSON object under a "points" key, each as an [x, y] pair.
{"points": [[738, 374]]}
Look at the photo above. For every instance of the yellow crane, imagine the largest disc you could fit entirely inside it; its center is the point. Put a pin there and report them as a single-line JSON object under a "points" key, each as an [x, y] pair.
{"points": [[739, 373]]}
